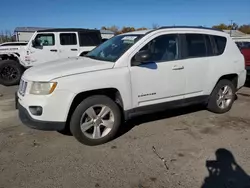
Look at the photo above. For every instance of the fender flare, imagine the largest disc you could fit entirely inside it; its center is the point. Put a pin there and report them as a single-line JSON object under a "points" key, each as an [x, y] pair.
{"points": [[15, 55]]}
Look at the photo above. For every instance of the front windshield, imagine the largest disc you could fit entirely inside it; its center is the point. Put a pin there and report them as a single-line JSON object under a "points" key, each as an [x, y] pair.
{"points": [[112, 49]]}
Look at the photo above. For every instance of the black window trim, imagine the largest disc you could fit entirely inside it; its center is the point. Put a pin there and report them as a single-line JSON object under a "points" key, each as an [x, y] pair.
{"points": [[179, 47], [214, 45], [209, 39], [47, 34], [68, 33]]}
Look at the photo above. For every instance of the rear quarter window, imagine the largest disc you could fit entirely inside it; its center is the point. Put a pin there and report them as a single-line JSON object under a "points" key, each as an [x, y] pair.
{"points": [[89, 38], [220, 43], [196, 45]]}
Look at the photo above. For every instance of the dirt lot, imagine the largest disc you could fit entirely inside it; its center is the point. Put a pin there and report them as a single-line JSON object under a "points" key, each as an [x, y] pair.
{"points": [[185, 138]]}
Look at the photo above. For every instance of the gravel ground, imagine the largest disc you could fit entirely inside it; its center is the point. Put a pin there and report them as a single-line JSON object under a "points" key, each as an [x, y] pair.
{"points": [[185, 140]]}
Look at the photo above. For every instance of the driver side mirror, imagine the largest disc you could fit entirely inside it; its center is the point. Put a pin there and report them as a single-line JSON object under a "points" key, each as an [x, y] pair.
{"points": [[36, 43], [141, 57]]}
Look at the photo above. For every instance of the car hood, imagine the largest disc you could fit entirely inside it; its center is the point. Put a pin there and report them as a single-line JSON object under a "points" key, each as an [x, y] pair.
{"points": [[64, 67]]}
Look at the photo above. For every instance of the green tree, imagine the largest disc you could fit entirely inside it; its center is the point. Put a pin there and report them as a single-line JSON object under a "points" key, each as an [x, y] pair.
{"points": [[221, 26], [141, 28], [127, 29], [6, 36]]}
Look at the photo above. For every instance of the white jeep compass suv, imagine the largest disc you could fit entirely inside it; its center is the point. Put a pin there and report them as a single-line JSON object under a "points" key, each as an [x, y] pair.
{"points": [[131, 74]]}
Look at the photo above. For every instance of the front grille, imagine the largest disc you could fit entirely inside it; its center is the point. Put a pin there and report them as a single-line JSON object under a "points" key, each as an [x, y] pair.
{"points": [[22, 87]]}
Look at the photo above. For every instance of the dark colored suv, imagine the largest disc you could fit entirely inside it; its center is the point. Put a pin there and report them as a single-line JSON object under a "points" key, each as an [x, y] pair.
{"points": [[245, 50]]}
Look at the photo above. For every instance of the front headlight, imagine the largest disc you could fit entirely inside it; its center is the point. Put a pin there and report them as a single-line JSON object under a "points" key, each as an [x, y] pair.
{"points": [[42, 88]]}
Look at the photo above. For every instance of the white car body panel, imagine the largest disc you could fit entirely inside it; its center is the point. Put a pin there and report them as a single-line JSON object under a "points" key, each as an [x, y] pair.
{"points": [[11, 47], [56, 69]]}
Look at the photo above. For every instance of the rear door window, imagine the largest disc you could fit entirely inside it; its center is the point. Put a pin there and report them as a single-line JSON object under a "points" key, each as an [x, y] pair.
{"points": [[196, 45], [68, 39]]}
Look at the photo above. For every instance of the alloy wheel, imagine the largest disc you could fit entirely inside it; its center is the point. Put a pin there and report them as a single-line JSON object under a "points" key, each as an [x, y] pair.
{"points": [[225, 97], [97, 121]]}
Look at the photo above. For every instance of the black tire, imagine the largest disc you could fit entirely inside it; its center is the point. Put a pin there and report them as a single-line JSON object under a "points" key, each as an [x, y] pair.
{"points": [[212, 103], [79, 111], [10, 72]]}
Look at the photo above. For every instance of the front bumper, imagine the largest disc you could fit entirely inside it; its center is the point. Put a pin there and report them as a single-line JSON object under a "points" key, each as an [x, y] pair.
{"points": [[27, 120]]}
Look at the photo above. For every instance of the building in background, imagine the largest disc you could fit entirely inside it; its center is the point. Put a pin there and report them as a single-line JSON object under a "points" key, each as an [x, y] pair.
{"points": [[23, 34], [238, 35]]}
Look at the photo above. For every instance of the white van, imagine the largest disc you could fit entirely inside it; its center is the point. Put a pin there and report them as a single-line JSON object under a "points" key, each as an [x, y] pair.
{"points": [[131, 74]]}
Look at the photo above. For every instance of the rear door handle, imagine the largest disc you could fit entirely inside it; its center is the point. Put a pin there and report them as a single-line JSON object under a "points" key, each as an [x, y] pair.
{"points": [[176, 67], [73, 49], [53, 50]]}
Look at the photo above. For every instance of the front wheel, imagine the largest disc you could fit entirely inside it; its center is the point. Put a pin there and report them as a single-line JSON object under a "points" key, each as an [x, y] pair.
{"points": [[10, 72], [96, 120], [222, 97]]}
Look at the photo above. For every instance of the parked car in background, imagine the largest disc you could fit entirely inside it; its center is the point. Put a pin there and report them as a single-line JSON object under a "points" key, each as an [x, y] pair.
{"points": [[131, 74], [45, 46], [245, 50]]}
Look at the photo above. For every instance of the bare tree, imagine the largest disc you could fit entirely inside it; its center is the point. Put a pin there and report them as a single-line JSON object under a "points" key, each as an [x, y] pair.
{"points": [[155, 26], [5, 36]]}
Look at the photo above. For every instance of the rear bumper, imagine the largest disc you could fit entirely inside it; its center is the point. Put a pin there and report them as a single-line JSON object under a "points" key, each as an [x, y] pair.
{"points": [[27, 120]]}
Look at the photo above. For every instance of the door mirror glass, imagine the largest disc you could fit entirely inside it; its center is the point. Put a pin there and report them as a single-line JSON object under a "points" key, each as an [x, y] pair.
{"points": [[36, 43], [142, 57]]}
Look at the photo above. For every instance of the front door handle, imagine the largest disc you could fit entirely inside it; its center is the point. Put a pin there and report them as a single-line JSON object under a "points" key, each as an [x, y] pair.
{"points": [[176, 67], [73, 49], [53, 50]]}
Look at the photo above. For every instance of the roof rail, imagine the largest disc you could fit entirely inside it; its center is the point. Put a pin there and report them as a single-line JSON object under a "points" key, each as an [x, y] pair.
{"points": [[190, 27], [67, 30]]}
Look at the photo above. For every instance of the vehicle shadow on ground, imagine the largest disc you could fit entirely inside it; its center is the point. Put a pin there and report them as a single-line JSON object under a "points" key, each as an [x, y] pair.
{"points": [[136, 121], [127, 126], [247, 83], [224, 172]]}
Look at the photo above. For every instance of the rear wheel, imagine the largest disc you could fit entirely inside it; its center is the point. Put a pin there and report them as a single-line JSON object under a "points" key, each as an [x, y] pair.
{"points": [[10, 72], [96, 120], [222, 97]]}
